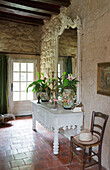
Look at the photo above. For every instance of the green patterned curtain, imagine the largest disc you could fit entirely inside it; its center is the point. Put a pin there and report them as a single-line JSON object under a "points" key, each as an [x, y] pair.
{"points": [[68, 65], [3, 84]]}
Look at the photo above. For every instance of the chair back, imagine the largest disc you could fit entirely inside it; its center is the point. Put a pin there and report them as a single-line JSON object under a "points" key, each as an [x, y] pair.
{"points": [[98, 126]]}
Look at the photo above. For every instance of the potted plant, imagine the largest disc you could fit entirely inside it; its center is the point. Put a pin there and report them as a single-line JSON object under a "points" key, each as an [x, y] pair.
{"points": [[66, 87], [41, 88]]}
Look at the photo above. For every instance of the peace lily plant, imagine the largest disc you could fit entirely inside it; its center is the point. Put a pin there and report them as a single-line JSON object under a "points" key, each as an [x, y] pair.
{"points": [[65, 81], [66, 87], [40, 85], [59, 86]]}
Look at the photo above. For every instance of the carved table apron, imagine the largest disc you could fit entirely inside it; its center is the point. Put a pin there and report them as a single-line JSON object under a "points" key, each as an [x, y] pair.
{"points": [[53, 119]]}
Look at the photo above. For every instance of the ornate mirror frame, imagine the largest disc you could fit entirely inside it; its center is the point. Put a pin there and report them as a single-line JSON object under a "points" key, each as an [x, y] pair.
{"points": [[66, 23]]}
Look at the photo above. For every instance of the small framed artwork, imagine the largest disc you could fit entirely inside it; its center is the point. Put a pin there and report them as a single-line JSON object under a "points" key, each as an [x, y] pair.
{"points": [[103, 79]]}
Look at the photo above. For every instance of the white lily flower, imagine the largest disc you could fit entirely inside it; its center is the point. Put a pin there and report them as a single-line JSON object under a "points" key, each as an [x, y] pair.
{"points": [[70, 77]]}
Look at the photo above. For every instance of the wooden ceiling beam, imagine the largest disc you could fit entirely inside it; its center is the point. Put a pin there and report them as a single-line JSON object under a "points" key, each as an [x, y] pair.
{"points": [[23, 12], [40, 7], [55, 2], [20, 19], [30, 11]]}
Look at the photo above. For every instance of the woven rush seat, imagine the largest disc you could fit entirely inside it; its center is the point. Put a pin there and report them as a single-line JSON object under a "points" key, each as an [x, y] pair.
{"points": [[6, 117]]}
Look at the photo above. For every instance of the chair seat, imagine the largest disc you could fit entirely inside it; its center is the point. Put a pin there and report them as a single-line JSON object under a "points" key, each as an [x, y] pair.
{"points": [[92, 142]]}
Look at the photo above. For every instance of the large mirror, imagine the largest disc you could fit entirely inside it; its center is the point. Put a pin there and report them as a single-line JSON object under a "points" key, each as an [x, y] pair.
{"points": [[67, 52]]}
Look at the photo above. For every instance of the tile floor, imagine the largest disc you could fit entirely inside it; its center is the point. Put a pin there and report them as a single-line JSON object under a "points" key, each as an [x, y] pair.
{"points": [[21, 148]]}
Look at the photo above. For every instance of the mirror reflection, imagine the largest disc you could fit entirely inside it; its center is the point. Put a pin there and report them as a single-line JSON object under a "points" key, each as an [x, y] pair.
{"points": [[67, 59]]}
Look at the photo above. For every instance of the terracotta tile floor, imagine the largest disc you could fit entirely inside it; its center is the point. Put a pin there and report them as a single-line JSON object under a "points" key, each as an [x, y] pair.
{"points": [[21, 148]]}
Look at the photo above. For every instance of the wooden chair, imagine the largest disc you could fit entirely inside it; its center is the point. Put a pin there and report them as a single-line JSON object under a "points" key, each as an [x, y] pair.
{"points": [[97, 130]]}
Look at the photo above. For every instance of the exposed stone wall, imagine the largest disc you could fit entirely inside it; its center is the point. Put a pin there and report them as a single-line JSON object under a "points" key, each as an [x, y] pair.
{"points": [[68, 43], [95, 17], [19, 38], [47, 62], [67, 46]]}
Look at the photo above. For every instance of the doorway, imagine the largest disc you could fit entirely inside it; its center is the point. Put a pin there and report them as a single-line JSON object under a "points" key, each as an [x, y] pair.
{"points": [[21, 74]]}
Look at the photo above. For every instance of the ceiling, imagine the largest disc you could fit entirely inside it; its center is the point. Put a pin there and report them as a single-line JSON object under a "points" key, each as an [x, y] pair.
{"points": [[31, 12]]}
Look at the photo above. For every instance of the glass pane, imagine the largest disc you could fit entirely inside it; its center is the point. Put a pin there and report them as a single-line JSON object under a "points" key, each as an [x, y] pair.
{"points": [[30, 76], [30, 96], [15, 66], [15, 96], [58, 74], [15, 76], [23, 76], [23, 95], [23, 66], [15, 86], [30, 67], [23, 86], [58, 67]]}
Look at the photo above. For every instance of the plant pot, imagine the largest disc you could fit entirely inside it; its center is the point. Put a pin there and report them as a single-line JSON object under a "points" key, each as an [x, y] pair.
{"points": [[68, 98], [44, 97]]}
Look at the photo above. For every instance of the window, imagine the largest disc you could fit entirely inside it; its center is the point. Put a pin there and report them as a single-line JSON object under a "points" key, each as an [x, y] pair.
{"points": [[23, 75], [59, 72]]}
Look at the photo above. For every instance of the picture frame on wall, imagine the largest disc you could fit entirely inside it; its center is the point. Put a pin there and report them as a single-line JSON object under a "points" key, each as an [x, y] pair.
{"points": [[103, 78]]}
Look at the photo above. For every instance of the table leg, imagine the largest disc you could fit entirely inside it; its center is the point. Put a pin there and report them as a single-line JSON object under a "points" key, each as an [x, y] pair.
{"points": [[56, 142], [33, 122]]}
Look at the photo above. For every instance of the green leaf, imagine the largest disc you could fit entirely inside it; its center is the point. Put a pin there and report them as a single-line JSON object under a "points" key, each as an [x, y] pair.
{"points": [[38, 75], [42, 74], [64, 73]]}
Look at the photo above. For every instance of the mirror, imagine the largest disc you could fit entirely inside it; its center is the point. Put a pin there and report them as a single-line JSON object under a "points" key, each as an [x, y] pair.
{"points": [[75, 25], [67, 57]]}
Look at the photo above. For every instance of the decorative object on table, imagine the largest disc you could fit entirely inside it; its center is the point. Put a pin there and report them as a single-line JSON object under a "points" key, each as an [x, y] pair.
{"points": [[41, 88], [6, 118], [38, 98], [53, 101], [68, 100], [54, 104], [66, 86], [44, 96], [78, 108]]}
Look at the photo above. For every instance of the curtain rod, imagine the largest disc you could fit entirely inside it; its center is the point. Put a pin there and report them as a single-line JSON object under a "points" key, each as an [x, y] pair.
{"points": [[1, 52]]}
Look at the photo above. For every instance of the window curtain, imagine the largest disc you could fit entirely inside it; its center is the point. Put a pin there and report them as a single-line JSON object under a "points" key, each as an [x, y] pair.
{"points": [[68, 65], [3, 83]]}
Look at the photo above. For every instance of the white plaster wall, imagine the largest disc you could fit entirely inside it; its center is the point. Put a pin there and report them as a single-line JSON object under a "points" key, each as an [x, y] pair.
{"points": [[95, 17]]}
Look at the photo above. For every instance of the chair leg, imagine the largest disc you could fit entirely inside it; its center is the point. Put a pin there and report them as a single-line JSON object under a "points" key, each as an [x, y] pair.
{"points": [[83, 158], [71, 149], [90, 150], [99, 159]]}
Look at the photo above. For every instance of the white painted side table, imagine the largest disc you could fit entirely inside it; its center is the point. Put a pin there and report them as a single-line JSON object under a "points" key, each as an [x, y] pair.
{"points": [[54, 119]]}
